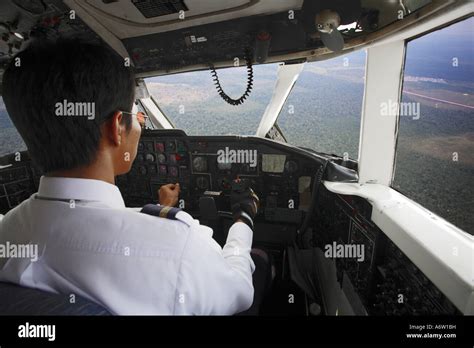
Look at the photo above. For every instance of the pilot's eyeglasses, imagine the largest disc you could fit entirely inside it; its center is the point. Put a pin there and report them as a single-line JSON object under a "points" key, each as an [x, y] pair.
{"points": [[141, 117]]}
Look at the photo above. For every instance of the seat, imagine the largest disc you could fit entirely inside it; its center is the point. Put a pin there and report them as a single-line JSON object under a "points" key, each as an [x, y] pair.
{"points": [[17, 300]]}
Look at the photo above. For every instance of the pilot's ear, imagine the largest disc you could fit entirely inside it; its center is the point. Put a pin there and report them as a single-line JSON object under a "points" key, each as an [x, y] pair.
{"points": [[116, 128]]}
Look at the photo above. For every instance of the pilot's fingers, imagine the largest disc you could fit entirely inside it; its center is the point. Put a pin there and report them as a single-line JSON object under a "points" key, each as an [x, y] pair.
{"points": [[165, 191], [172, 188], [168, 187]]}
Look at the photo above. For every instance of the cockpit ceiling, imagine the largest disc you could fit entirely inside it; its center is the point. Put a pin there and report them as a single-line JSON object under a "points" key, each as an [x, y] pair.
{"points": [[132, 18], [169, 36]]}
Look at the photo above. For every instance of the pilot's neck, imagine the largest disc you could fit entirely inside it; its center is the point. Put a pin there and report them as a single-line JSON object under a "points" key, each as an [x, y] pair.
{"points": [[100, 169]]}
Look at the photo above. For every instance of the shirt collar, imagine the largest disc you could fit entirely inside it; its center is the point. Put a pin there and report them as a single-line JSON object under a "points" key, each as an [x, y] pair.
{"points": [[81, 189]]}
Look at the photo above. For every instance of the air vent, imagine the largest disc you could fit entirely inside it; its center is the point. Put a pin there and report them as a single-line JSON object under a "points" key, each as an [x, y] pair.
{"points": [[157, 8]]}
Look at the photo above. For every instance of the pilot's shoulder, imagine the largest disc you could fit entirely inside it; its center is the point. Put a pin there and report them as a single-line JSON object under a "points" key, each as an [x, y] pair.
{"points": [[177, 214], [170, 213]]}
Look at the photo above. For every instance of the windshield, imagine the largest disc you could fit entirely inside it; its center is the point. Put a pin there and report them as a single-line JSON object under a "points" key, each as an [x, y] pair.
{"points": [[192, 103], [323, 110]]}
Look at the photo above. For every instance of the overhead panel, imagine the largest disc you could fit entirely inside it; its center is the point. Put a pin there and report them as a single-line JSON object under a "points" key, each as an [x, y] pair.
{"points": [[125, 18], [161, 11]]}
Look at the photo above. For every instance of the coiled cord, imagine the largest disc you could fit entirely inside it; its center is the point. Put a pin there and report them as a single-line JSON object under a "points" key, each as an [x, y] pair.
{"points": [[231, 101]]}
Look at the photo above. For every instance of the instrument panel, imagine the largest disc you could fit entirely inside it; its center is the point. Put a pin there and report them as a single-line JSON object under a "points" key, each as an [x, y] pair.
{"points": [[281, 175]]}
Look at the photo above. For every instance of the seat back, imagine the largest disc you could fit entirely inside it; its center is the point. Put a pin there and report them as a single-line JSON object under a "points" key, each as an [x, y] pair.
{"points": [[17, 300]]}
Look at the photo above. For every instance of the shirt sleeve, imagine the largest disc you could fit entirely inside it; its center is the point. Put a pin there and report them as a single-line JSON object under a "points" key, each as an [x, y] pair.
{"points": [[215, 280]]}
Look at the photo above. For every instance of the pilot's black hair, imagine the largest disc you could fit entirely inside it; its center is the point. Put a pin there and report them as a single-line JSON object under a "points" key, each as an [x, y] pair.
{"points": [[49, 72]]}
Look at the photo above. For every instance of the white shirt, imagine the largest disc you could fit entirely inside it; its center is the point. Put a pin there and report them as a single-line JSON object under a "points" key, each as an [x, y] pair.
{"points": [[124, 260]]}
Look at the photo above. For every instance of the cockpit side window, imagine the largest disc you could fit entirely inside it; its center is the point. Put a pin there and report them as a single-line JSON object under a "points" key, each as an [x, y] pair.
{"points": [[434, 159], [10, 139]]}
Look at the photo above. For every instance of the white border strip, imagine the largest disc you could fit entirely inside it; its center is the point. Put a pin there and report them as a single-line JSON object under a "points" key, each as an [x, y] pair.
{"points": [[287, 76], [378, 134], [157, 117]]}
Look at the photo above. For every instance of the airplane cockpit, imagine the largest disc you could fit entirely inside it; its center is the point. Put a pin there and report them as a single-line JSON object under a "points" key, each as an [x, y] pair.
{"points": [[344, 239]]}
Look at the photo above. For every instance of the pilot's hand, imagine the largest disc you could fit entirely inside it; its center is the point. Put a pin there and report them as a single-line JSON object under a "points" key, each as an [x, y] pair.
{"points": [[169, 194], [244, 202]]}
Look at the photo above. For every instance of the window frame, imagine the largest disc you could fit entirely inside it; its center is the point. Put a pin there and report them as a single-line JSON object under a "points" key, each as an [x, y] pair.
{"points": [[407, 41], [442, 251]]}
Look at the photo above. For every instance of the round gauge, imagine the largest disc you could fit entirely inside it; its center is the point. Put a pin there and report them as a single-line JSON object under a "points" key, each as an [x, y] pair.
{"points": [[200, 164], [150, 157], [161, 158], [291, 166], [171, 145], [202, 183]]}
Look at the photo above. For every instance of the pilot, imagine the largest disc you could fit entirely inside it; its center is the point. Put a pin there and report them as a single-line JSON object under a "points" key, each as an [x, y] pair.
{"points": [[71, 102]]}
